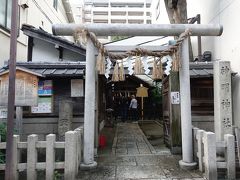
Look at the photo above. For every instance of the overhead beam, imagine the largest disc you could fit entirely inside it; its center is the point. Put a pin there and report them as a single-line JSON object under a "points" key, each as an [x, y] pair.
{"points": [[119, 48], [138, 29]]}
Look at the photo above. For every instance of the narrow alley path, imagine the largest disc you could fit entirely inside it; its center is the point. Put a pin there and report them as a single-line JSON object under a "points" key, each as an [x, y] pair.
{"points": [[133, 157]]}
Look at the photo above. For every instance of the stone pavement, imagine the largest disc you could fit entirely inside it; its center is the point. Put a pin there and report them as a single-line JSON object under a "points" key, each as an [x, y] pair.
{"points": [[133, 157]]}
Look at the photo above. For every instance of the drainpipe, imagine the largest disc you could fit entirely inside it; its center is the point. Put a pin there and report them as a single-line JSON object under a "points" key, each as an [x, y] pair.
{"points": [[199, 40], [68, 10]]}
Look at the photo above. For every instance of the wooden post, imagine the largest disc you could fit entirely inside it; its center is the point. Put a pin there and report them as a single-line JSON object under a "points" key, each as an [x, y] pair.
{"points": [[70, 155], [50, 156], [31, 157], [230, 156], [209, 141], [142, 107], [15, 157]]}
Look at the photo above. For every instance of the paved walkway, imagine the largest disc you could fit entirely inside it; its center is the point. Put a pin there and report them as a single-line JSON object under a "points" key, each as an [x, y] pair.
{"points": [[133, 157]]}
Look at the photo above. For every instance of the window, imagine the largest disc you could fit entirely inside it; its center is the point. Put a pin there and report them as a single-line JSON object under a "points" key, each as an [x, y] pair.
{"points": [[5, 13], [55, 4]]}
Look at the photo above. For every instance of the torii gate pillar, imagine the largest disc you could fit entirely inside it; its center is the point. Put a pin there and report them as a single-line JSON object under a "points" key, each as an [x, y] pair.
{"points": [[186, 117], [89, 108]]}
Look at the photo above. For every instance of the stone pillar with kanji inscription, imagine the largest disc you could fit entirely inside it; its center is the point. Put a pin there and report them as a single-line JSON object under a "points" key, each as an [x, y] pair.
{"points": [[65, 118], [222, 99]]}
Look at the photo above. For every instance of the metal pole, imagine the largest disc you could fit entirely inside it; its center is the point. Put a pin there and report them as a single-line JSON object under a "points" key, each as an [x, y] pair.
{"points": [[89, 108], [186, 119], [11, 92], [139, 29], [199, 40]]}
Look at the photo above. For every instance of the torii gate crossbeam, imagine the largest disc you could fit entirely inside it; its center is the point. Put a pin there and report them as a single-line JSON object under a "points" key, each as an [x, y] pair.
{"points": [[138, 30]]}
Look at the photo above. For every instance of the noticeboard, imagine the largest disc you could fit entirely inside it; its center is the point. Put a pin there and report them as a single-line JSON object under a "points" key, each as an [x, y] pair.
{"points": [[44, 105], [26, 89], [76, 88], [45, 88]]}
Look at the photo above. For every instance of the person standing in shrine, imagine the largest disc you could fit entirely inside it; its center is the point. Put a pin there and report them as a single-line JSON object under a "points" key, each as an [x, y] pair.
{"points": [[133, 108]]}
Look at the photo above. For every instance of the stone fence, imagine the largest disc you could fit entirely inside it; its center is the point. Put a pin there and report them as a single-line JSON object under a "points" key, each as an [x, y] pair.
{"points": [[72, 155], [205, 153]]}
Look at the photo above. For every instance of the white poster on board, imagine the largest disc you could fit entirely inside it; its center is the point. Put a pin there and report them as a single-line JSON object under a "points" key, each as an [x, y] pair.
{"points": [[76, 87], [3, 112], [175, 98]]}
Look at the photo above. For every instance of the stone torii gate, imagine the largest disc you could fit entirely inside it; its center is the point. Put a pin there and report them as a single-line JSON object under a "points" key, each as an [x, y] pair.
{"points": [[138, 30]]}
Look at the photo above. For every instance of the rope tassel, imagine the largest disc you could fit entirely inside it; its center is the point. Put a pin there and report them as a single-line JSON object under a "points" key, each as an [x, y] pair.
{"points": [[160, 71], [176, 61], [138, 66], [157, 70], [101, 64], [121, 72], [115, 76]]}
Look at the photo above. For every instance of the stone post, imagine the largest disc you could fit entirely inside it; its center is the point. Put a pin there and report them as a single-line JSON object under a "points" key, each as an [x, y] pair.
{"points": [[89, 108], [65, 118], [210, 160], [50, 156], [230, 156], [200, 152], [70, 155], [222, 99], [16, 140], [32, 157], [186, 119], [19, 119]]}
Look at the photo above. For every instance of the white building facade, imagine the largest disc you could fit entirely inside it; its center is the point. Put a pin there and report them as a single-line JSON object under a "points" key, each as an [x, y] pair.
{"points": [[227, 46], [40, 14], [117, 11], [223, 48]]}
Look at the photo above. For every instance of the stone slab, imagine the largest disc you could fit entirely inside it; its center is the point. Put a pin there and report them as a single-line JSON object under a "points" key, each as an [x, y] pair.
{"points": [[99, 173], [137, 172]]}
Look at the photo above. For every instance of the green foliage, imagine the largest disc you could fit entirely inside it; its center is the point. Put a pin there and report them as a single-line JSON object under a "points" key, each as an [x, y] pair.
{"points": [[57, 175], [2, 157], [3, 132], [117, 38], [157, 95]]}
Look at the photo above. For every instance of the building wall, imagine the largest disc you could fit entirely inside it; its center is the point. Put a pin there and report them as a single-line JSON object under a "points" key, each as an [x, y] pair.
{"points": [[227, 46], [46, 52], [39, 14], [117, 11]]}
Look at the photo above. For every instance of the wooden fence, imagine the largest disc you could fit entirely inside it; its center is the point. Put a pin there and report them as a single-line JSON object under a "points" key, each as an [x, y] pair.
{"points": [[72, 156], [205, 152]]}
